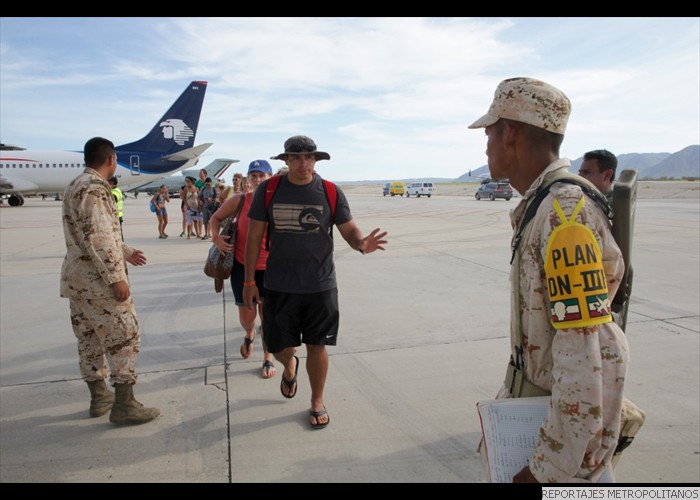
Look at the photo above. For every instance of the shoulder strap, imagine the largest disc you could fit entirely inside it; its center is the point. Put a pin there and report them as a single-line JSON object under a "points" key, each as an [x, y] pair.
{"points": [[328, 188], [239, 207], [331, 196], [540, 195], [271, 189]]}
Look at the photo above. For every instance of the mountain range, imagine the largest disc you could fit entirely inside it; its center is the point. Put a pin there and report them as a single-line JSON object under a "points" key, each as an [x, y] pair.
{"points": [[683, 164]]}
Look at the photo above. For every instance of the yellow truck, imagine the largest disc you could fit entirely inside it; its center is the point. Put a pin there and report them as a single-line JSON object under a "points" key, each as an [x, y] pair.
{"points": [[396, 188]]}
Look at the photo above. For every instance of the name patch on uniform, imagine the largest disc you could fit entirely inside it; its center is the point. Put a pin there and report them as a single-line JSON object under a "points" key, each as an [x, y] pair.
{"points": [[578, 290]]}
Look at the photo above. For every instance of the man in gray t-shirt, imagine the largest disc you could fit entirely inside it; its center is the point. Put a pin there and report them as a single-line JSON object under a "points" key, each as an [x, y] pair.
{"points": [[302, 296]]}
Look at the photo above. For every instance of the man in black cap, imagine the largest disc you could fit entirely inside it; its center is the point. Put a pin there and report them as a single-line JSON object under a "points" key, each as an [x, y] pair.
{"points": [[302, 296]]}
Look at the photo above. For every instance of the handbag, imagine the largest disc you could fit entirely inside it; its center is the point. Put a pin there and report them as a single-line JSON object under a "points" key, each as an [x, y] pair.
{"points": [[219, 265]]}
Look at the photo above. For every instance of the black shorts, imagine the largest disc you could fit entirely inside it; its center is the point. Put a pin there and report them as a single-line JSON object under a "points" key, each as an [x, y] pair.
{"points": [[290, 319], [237, 278]]}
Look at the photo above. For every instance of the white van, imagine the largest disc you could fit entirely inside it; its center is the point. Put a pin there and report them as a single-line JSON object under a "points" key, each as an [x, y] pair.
{"points": [[420, 189]]}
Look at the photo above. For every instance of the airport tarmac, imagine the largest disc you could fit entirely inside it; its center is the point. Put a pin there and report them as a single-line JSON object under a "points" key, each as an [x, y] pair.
{"points": [[423, 337]]}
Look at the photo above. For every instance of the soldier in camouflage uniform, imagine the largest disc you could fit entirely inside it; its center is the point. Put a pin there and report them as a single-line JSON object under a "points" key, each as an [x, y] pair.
{"points": [[94, 279], [572, 350]]}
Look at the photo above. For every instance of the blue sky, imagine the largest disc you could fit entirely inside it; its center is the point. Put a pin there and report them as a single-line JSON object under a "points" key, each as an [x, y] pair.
{"points": [[386, 97]]}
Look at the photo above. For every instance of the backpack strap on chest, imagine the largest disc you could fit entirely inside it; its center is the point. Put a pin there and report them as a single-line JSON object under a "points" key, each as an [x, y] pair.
{"points": [[329, 190]]}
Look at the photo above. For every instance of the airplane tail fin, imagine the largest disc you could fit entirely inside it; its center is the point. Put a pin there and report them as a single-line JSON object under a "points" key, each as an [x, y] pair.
{"points": [[177, 129], [220, 166]]}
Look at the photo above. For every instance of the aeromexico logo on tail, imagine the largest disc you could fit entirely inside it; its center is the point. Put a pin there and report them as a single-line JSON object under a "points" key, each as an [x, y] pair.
{"points": [[177, 130]]}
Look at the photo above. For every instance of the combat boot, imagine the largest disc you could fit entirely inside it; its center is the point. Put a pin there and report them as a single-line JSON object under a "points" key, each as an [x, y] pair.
{"points": [[101, 398], [128, 411]]}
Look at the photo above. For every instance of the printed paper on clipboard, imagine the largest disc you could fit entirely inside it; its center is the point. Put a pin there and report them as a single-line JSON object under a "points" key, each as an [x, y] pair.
{"points": [[510, 428]]}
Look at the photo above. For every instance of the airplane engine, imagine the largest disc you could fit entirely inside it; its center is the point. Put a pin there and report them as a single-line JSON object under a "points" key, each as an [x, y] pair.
{"points": [[15, 200]]}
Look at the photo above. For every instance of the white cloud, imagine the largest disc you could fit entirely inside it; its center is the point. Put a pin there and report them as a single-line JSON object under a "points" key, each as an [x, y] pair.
{"points": [[387, 97]]}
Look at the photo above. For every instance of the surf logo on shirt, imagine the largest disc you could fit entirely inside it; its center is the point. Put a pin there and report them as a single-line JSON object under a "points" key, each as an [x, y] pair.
{"points": [[578, 290], [296, 218]]}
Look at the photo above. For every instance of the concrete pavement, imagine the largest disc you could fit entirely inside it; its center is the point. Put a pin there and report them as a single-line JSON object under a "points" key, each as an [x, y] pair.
{"points": [[424, 336]]}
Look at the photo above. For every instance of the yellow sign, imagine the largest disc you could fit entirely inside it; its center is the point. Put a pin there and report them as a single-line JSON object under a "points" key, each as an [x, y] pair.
{"points": [[578, 291]]}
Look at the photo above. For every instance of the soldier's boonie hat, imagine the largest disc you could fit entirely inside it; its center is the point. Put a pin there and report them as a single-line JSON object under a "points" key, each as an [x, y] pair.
{"points": [[301, 145], [529, 101]]}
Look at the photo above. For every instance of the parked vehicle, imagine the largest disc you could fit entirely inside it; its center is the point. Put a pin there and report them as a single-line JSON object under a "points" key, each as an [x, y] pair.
{"points": [[419, 189], [396, 188], [493, 190]]}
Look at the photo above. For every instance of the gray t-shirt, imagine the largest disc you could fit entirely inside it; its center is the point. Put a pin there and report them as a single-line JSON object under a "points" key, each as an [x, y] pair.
{"points": [[208, 195], [301, 248]]}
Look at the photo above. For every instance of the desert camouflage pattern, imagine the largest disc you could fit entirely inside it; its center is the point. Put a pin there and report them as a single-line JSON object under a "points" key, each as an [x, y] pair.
{"points": [[529, 101], [580, 433], [95, 256], [107, 329], [95, 259]]}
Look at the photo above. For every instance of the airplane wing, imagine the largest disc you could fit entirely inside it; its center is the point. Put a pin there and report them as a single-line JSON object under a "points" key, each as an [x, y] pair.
{"points": [[189, 153]]}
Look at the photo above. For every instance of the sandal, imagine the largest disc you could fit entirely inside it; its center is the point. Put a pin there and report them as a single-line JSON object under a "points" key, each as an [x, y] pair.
{"points": [[290, 383], [247, 346], [316, 414], [268, 369]]}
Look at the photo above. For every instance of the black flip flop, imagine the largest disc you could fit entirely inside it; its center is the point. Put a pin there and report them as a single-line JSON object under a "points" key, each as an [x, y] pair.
{"points": [[290, 383], [317, 414], [246, 345]]}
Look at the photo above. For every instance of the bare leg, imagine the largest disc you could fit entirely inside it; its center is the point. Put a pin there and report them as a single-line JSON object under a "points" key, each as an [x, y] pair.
{"points": [[269, 369], [317, 368], [286, 357], [247, 319]]}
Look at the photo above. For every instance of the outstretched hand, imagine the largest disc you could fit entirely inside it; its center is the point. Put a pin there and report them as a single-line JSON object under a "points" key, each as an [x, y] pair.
{"points": [[373, 241], [137, 258]]}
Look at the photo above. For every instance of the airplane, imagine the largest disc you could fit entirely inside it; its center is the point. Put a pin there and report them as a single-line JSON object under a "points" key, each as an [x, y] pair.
{"points": [[166, 149], [214, 170]]}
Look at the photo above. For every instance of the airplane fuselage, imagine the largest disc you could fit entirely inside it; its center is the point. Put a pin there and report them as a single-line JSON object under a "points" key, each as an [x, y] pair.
{"points": [[166, 149], [33, 172]]}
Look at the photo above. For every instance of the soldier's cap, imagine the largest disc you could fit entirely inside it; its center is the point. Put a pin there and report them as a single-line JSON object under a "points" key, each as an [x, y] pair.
{"points": [[260, 166], [301, 145], [529, 101]]}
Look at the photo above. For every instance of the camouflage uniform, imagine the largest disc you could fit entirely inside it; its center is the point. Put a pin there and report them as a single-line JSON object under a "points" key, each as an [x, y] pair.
{"points": [[584, 368], [95, 259]]}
